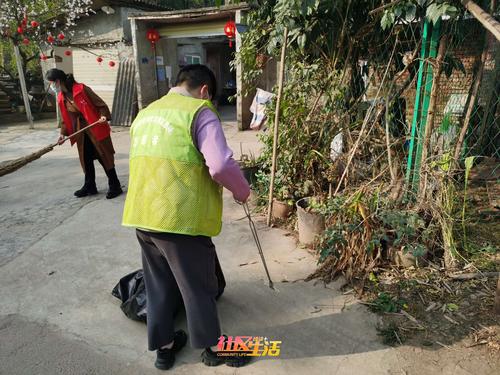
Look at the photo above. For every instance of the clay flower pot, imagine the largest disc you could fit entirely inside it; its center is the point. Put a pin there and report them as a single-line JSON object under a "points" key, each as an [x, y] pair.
{"points": [[281, 210]]}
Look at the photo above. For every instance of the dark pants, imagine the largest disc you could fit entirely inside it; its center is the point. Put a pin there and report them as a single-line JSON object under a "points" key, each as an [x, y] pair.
{"points": [[89, 155], [180, 268]]}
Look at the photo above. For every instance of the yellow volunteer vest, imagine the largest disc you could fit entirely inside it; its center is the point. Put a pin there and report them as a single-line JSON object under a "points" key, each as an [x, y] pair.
{"points": [[170, 189]]}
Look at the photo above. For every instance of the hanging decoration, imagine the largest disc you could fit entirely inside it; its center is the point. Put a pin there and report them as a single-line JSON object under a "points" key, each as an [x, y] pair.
{"points": [[99, 60], [43, 57], [34, 24], [61, 36], [67, 52], [153, 36], [50, 39], [111, 63], [20, 30], [230, 31], [26, 41]]}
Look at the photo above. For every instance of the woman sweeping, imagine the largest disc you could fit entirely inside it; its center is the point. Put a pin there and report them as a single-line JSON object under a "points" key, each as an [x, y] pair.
{"points": [[79, 107]]}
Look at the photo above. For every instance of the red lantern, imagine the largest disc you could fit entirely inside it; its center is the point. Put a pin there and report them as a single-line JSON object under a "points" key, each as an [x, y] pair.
{"points": [[153, 36], [60, 36], [24, 21], [50, 39], [34, 24], [20, 29], [67, 52], [43, 57], [230, 31], [99, 59], [111, 63], [26, 41]]}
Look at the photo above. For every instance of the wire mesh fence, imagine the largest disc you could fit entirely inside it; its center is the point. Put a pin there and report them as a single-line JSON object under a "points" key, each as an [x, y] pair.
{"points": [[379, 120], [465, 109]]}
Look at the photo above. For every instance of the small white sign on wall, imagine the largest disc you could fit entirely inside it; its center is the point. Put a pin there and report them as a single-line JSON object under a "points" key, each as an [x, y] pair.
{"points": [[159, 60], [168, 73]]}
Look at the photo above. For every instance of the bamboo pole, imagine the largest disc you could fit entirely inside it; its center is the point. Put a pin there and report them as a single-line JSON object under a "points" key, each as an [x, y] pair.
{"points": [[276, 125], [429, 74], [429, 125], [418, 101], [484, 17], [388, 141]]}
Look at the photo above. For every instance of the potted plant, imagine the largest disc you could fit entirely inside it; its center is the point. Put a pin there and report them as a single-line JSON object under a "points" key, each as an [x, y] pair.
{"points": [[311, 221], [282, 201], [249, 166]]}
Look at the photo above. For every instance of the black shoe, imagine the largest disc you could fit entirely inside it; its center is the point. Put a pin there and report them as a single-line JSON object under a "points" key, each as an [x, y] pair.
{"points": [[115, 188], [210, 358], [113, 192], [165, 358], [86, 190]]}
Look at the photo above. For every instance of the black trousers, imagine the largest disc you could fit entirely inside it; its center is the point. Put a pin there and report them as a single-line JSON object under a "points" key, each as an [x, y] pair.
{"points": [[89, 155], [180, 268]]}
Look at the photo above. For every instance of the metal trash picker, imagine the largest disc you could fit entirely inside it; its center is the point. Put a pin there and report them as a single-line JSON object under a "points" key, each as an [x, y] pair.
{"points": [[253, 229]]}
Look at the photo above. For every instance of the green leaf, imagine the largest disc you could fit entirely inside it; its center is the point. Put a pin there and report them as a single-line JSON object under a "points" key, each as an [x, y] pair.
{"points": [[469, 162], [387, 19], [444, 162], [436, 11], [372, 278], [451, 307], [411, 11], [302, 41], [433, 12], [451, 10]]}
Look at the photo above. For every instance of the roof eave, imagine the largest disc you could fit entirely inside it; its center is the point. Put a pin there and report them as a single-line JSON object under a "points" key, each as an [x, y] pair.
{"points": [[189, 13]]}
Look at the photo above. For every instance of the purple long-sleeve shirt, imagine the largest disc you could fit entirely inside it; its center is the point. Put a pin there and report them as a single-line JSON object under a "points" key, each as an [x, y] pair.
{"points": [[211, 142]]}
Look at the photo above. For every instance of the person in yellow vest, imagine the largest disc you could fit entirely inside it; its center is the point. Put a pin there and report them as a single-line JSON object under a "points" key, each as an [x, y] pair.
{"points": [[179, 162]]}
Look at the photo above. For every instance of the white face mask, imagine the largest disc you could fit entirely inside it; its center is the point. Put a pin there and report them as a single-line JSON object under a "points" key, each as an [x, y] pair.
{"points": [[55, 87]]}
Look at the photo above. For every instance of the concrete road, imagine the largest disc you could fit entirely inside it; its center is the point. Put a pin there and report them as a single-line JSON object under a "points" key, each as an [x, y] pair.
{"points": [[60, 257]]}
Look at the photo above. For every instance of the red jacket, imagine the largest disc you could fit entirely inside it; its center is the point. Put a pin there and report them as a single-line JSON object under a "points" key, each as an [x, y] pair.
{"points": [[88, 110]]}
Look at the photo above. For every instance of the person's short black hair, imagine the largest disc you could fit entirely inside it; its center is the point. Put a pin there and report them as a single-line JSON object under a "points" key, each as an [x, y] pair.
{"points": [[197, 75]]}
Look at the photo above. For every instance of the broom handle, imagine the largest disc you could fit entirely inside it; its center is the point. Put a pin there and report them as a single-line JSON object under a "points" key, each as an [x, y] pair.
{"points": [[78, 132]]}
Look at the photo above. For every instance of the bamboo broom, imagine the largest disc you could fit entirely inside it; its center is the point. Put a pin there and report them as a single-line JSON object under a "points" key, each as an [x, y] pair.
{"points": [[10, 166]]}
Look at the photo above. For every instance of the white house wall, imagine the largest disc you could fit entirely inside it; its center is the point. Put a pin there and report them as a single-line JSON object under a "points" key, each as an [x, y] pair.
{"points": [[100, 77]]}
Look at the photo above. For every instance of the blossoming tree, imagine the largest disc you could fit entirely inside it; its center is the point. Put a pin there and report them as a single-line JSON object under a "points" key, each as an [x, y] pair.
{"points": [[28, 28]]}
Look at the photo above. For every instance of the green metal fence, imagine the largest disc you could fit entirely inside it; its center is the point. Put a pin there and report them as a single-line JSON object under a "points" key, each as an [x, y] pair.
{"points": [[466, 112]]}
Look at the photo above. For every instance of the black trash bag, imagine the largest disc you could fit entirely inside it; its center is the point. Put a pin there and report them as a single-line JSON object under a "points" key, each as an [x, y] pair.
{"points": [[132, 292]]}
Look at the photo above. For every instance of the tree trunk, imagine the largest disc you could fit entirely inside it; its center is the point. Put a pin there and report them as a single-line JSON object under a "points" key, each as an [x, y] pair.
{"points": [[24, 90], [429, 125]]}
